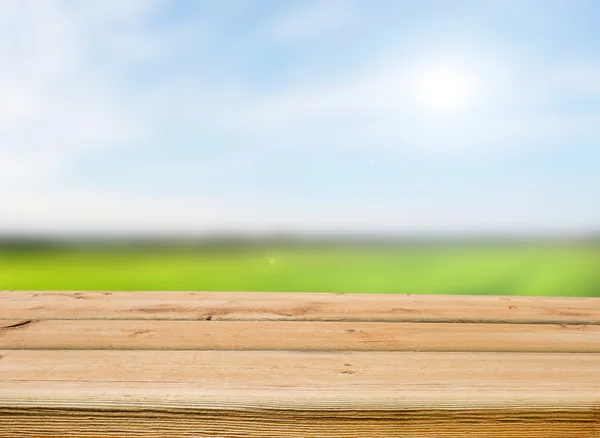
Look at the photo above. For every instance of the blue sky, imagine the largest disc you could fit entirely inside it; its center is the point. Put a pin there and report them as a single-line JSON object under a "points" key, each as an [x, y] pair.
{"points": [[429, 117]]}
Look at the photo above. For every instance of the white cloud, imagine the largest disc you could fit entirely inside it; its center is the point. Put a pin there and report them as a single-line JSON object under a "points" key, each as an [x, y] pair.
{"points": [[65, 91], [312, 21], [52, 100], [513, 110], [17, 103], [25, 170], [113, 213], [581, 77]]}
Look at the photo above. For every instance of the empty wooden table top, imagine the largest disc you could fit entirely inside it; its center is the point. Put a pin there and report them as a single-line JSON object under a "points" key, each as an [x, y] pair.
{"points": [[191, 364]]}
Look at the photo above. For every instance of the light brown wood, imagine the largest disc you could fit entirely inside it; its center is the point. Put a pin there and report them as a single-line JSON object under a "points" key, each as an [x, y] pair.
{"points": [[95, 423], [293, 335], [179, 364], [382, 394], [196, 422], [242, 306], [307, 371], [260, 427]]}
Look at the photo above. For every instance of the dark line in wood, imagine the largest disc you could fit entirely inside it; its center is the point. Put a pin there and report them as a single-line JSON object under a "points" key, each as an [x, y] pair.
{"points": [[17, 324], [350, 319]]}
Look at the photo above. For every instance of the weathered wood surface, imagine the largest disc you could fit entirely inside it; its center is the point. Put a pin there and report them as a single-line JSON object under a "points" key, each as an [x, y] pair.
{"points": [[244, 306], [297, 365], [300, 336], [299, 394]]}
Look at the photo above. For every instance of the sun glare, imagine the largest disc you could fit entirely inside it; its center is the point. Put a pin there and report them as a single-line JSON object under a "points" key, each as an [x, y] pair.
{"points": [[444, 88]]}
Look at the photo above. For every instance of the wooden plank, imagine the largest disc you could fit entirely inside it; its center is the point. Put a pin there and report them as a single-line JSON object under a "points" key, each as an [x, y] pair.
{"points": [[206, 364], [266, 370], [257, 394], [294, 335], [297, 307], [179, 423]]}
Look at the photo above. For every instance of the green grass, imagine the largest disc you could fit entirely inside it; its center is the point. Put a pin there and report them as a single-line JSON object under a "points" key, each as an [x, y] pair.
{"points": [[511, 269]]}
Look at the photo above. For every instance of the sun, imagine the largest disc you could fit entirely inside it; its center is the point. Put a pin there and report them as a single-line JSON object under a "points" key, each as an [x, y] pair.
{"points": [[444, 88]]}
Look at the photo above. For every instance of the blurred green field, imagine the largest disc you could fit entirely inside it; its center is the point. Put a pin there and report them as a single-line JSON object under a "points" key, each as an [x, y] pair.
{"points": [[506, 269]]}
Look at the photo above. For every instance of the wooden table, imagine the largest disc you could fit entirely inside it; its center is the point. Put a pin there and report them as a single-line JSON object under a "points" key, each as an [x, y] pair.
{"points": [[180, 364]]}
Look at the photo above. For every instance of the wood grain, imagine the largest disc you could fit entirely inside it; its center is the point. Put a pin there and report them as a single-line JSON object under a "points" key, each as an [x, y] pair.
{"points": [[246, 306], [301, 424], [382, 394], [309, 370], [206, 364], [293, 335]]}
